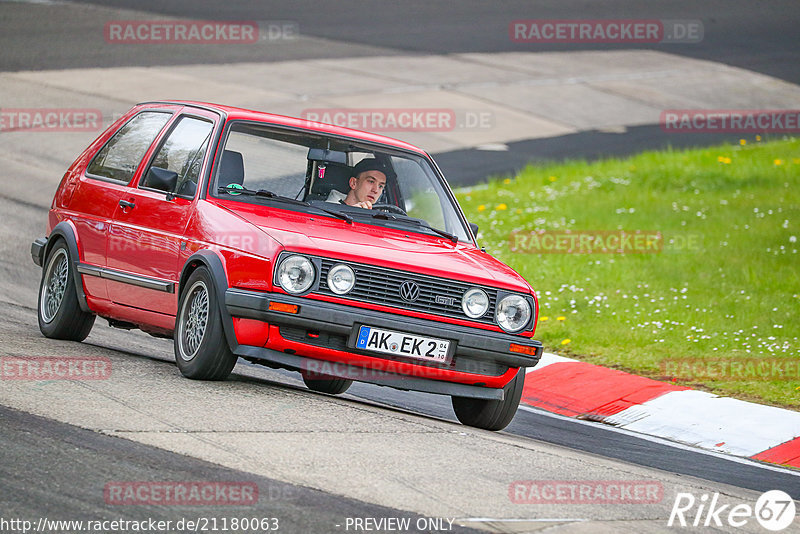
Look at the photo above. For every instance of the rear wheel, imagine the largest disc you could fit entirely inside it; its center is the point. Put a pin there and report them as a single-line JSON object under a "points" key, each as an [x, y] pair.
{"points": [[60, 315], [491, 414], [334, 386], [201, 350]]}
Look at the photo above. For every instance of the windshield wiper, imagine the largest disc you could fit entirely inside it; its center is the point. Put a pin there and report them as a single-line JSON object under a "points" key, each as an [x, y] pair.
{"points": [[448, 235], [413, 220], [263, 193]]}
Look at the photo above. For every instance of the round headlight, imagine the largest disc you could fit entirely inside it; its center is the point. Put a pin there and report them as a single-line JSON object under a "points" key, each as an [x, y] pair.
{"points": [[341, 279], [513, 313], [296, 274], [475, 302]]}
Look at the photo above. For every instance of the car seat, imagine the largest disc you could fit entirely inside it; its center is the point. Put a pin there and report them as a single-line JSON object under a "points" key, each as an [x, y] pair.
{"points": [[329, 176]]}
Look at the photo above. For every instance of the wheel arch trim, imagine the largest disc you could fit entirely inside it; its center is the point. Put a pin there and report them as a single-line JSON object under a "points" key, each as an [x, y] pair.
{"points": [[66, 231], [213, 263]]}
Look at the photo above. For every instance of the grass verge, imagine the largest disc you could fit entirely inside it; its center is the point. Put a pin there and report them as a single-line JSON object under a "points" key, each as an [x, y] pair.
{"points": [[706, 289]]}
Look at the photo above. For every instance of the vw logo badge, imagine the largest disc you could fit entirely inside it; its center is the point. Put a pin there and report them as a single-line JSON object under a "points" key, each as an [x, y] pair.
{"points": [[409, 291]]}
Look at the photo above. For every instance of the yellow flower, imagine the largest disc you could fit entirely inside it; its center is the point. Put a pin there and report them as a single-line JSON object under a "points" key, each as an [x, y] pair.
{"points": [[778, 162], [507, 181], [723, 159], [552, 178], [742, 142], [501, 207], [566, 341], [561, 318], [758, 138], [543, 319], [518, 211], [481, 207]]}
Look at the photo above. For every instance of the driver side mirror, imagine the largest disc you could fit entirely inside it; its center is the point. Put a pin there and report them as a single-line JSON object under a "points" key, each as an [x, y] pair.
{"points": [[161, 179], [474, 228]]}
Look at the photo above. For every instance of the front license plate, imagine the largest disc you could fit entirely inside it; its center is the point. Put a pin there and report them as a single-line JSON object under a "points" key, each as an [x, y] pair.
{"points": [[402, 344]]}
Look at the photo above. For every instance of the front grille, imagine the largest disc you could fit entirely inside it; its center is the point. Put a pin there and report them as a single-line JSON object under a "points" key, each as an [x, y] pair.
{"points": [[379, 285]]}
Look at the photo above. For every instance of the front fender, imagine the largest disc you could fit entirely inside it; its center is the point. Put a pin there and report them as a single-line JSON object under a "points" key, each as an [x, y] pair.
{"points": [[213, 263]]}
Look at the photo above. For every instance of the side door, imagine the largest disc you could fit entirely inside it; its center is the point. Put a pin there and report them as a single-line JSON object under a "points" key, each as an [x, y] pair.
{"points": [[99, 189], [148, 226]]}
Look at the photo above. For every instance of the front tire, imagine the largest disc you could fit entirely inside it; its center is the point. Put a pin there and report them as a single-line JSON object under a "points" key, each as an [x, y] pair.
{"points": [[60, 315], [333, 386], [201, 350], [491, 414]]}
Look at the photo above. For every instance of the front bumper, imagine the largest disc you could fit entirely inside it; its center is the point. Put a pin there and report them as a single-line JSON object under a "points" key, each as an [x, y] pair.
{"points": [[482, 353], [37, 250]]}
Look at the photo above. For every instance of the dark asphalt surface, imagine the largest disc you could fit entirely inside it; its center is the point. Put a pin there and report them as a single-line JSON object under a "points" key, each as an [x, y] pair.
{"points": [[759, 36], [56, 471], [594, 438]]}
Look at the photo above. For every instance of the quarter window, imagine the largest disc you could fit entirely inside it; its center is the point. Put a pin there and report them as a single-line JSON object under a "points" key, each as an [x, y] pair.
{"points": [[122, 154]]}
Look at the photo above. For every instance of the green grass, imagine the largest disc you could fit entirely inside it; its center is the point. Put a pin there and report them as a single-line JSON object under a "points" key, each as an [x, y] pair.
{"points": [[724, 288]]}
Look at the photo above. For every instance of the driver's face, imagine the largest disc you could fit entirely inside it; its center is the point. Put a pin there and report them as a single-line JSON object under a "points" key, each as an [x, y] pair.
{"points": [[368, 186]]}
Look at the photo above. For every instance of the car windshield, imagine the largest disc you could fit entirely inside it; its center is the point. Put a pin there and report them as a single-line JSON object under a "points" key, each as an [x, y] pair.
{"points": [[327, 173]]}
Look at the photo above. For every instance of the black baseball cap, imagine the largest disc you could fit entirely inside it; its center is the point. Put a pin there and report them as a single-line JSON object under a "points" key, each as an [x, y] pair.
{"points": [[372, 164]]}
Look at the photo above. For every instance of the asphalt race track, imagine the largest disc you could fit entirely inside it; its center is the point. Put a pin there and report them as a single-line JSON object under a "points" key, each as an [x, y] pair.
{"points": [[319, 461]]}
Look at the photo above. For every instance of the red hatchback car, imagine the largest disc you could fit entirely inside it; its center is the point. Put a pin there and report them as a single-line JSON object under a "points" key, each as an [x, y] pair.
{"points": [[336, 253]]}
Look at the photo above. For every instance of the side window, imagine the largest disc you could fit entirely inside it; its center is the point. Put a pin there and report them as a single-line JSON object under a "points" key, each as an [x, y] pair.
{"points": [[121, 155], [176, 166], [257, 162]]}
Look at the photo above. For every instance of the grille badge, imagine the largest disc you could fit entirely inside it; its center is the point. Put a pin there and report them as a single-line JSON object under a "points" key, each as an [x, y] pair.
{"points": [[409, 291]]}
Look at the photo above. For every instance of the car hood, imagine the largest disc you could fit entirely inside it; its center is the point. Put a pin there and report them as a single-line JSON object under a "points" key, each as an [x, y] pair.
{"points": [[380, 245]]}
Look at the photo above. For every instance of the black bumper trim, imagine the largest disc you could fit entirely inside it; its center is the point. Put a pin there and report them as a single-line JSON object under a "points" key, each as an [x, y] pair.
{"points": [[340, 319], [37, 250], [380, 378]]}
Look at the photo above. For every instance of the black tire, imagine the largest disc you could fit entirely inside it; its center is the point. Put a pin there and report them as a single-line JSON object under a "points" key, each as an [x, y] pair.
{"points": [[491, 414], [332, 385], [201, 349], [60, 315]]}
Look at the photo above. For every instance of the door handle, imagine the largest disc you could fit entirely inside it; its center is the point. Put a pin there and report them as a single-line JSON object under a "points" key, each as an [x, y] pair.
{"points": [[124, 204]]}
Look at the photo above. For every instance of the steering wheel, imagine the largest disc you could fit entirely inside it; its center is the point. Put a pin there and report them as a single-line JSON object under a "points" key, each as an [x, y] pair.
{"points": [[390, 207]]}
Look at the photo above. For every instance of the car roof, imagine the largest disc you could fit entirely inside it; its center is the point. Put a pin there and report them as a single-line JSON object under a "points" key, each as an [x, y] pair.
{"points": [[234, 113]]}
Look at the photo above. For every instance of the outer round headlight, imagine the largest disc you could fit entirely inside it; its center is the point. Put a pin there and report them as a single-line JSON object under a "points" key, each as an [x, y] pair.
{"points": [[296, 274], [341, 279], [475, 303], [513, 313]]}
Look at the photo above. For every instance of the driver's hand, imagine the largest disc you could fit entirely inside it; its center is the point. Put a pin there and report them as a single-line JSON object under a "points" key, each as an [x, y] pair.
{"points": [[365, 204]]}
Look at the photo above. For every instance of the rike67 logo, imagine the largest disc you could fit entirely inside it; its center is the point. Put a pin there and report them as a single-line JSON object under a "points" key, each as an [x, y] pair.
{"points": [[774, 510]]}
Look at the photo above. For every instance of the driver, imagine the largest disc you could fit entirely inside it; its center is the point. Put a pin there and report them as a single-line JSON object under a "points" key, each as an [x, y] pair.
{"points": [[366, 185]]}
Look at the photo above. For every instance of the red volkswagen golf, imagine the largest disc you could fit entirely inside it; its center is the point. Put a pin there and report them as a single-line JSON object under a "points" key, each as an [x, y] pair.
{"points": [[339, 254]]}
